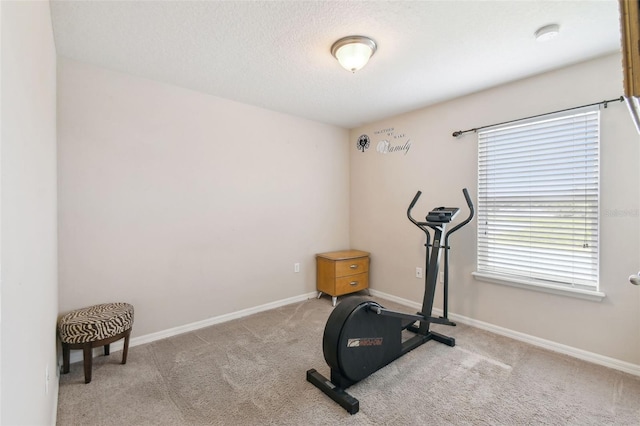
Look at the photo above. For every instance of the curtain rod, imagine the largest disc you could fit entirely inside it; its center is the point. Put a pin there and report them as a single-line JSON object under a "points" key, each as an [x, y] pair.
{"points": [[605, 103]]}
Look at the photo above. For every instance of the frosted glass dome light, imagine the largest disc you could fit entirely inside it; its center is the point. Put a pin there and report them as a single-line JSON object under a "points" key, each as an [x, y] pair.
{"points": [[353, 52]]}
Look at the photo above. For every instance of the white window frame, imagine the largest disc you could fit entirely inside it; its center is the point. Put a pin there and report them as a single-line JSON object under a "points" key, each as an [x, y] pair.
{"points": [[502, 254]]}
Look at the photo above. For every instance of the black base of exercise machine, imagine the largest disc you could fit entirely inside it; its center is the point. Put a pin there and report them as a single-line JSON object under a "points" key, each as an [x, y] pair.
{"points": [[361, 336]]}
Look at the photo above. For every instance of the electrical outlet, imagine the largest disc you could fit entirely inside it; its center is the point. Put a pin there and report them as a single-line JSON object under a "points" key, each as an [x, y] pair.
{"points": [[296, 267], [46, 380], [418, 272], [441, 277]]}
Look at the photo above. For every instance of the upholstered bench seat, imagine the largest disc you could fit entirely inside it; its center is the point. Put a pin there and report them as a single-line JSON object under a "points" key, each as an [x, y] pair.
{"points": [[95, 326]]}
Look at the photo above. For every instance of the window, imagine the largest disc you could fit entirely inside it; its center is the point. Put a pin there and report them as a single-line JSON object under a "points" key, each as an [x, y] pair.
{"points": [[538, 190]]}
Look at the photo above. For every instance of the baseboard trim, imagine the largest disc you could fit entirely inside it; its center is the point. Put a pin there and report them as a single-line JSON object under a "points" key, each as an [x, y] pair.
{"points": [[76, 356], [592, 357]]}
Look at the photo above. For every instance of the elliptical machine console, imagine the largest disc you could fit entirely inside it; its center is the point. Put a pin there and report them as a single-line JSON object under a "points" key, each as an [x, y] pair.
{"points": [[361, 336]]}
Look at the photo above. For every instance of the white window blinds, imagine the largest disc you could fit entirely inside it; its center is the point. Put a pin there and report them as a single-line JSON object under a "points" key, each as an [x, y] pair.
{"points": [[538, 188]]}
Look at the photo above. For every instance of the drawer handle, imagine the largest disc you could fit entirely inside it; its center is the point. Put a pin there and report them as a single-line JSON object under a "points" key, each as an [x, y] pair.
{"points": [[354, 266], [353, 283]]}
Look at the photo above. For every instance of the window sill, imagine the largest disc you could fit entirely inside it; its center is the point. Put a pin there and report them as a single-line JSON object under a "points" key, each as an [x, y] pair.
{"points": [[592, 295]]}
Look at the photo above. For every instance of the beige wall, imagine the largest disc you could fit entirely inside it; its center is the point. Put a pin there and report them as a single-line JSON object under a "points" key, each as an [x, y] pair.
{"points": [[28, 219], [186, 205], [382, 185]]}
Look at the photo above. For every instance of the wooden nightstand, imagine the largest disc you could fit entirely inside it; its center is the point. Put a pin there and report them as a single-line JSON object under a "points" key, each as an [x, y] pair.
{"points": [[342, 272]]}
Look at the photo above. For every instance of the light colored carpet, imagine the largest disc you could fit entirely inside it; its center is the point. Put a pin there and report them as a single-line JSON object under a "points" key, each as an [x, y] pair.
{"points": [[253, 371]]}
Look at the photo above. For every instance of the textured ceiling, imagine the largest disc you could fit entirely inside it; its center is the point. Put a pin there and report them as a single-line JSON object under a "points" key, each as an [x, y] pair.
{"points": [[275, 54]]}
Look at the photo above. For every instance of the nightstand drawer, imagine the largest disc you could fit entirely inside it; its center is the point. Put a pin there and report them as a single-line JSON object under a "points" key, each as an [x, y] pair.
{"points": [[352, 266], [352, 283]]}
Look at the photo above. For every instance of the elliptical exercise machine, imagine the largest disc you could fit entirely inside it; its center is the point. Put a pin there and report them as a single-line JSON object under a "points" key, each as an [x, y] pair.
{"points": [[361, 336]]}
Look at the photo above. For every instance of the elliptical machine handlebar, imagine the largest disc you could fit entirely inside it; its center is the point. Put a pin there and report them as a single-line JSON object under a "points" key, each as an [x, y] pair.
{"points": [[419, 225], [439, 229], [445, 283], [422, 225], [467, 220], [413, 203]]}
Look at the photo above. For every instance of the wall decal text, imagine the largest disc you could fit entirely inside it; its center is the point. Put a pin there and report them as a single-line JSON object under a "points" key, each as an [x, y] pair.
{"points": [[392, 141]]}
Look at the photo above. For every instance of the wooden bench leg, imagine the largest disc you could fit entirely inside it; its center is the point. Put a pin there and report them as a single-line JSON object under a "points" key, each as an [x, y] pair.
{"points": [[65, 358], [125, 350], [87, 354]]}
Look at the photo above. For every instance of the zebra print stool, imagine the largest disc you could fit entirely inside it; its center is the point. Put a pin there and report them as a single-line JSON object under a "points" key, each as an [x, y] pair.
{"points": [[92, 327]]}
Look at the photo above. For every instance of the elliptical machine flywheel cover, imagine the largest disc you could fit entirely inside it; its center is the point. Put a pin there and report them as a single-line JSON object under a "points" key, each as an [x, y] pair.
{"points": [[357, 341]]}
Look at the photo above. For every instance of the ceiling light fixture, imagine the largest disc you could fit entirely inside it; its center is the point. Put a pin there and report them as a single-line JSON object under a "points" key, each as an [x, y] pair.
{"points": [[547, 32], [353, 52]]}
